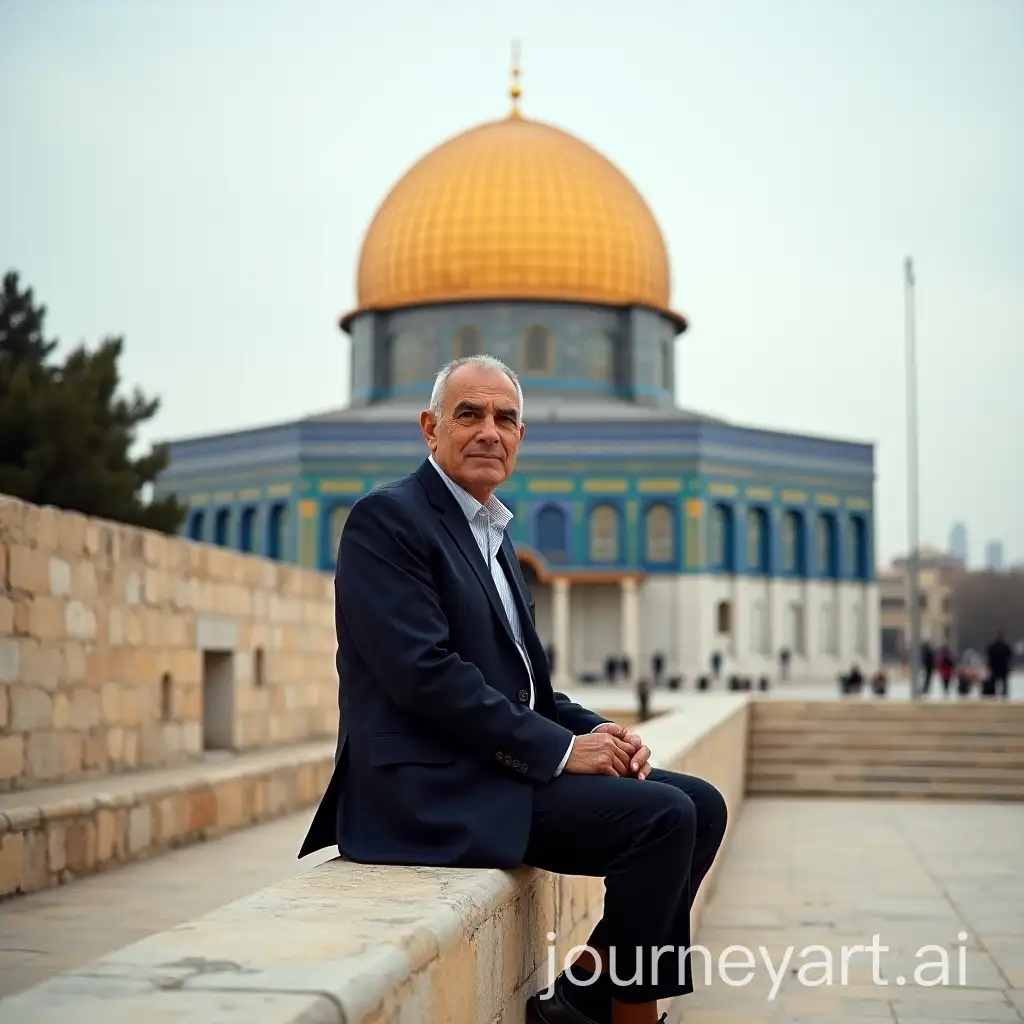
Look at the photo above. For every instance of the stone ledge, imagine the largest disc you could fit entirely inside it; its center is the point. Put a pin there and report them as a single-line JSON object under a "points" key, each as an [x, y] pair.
{"points": [[343, 943], [53, 835]]}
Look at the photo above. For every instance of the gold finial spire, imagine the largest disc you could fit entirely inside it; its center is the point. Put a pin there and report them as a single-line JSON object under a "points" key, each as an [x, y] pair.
{"points": [[515, 90]]}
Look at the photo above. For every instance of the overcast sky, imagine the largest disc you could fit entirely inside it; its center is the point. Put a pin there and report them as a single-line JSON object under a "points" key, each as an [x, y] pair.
{"points": [[198, 174]]}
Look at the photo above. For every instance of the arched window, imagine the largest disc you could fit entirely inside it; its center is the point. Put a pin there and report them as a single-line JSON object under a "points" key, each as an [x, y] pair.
{"points": [[665, 375], [721, 547], [222, 527], [552, 534], [659, 542], [757, 540], [599, 359], [825, 547], [793, 542], [857, 547], [336, 521], [247, 530], [407, 360], [538, 351], [196, 525], [604, 534], [467, 343], [277, 525]]}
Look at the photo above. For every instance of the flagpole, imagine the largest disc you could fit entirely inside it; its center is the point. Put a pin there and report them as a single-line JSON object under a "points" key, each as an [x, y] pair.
{"points": [[913, 555]]}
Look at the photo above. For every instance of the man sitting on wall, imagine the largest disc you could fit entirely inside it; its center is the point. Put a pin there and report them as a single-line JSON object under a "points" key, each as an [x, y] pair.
{"points": [[453, 748]]}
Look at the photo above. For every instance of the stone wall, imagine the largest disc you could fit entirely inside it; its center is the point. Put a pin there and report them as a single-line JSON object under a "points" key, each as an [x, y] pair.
{"points": [[123, 649], [370, 944]]}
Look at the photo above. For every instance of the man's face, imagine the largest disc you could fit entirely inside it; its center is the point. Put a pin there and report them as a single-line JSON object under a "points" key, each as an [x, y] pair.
{"points": [[477, 438]]}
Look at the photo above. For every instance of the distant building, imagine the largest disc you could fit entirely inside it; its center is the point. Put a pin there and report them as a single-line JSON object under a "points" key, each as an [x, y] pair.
{"points": [[937, 572], [994, 555], [958, 542]]}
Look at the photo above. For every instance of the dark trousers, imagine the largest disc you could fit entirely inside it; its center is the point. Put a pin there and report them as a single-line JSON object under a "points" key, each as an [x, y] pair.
{"points": [[1002, 681], [652, 842]]}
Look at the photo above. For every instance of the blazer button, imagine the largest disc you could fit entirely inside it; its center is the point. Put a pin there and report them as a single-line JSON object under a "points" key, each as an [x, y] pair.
{"points": [[515, 764], [524, 696], [499, 755], [508, 760]]}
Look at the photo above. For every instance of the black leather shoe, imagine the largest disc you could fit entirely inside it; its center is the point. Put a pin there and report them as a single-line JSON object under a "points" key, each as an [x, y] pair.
{"points": [[557, 1009]]}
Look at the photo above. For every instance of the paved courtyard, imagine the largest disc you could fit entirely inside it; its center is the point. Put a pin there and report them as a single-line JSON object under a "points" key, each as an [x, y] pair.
{"points": [[835, 873], [799, 873]]}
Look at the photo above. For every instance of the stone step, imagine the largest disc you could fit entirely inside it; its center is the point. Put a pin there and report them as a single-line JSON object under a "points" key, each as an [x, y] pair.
{"points": [[55, 834]]}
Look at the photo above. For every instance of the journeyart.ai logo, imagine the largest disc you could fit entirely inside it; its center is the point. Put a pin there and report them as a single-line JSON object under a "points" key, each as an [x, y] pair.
{"points": [[811, 966]]}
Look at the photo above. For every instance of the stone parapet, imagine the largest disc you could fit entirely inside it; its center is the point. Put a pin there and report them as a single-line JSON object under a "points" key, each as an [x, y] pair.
{"points": [[343, 943], [123, 649], [55, 835]]}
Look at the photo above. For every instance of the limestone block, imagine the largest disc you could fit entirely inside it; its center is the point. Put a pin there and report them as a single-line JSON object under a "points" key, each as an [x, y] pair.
{"points": [[72, 753], [115, 625], [110, 703], [44, 756], [41, 665], [114, 739], [30, 709], [46, 528], [192, 737], [85, 708], [22, 616], [28, 570], [130, 756], [71, 528], [80, 846], [12, 758], [3, 565], [79, 621], [55, 848], [46, 619], [94, 751], [216, 633], [10, 660], [60, 577], [140, 825], [76, 664], [12, 855], [61, 711]]}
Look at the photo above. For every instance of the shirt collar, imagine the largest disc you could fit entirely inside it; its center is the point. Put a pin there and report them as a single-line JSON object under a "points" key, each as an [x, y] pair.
{"points": [[497, 514]]}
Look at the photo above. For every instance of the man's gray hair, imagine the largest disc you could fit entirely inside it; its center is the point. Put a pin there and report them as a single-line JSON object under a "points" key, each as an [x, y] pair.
{"points": [[488, 363]]}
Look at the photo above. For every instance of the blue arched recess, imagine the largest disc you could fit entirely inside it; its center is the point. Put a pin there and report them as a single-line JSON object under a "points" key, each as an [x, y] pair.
{"points": [[553, 534]]}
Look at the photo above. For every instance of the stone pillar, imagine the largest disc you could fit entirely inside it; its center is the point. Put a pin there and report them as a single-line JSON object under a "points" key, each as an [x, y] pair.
{"points": [[560, 630], [631, 625]]}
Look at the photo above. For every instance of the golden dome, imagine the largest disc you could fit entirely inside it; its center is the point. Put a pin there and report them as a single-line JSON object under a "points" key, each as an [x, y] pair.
{"points": [[514, 209]]}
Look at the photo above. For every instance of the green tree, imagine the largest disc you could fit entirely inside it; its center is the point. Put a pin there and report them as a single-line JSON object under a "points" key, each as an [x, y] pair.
{"points": [[66, 435]]}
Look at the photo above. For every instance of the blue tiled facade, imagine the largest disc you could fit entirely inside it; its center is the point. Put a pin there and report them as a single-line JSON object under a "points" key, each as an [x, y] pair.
{"points": [[659, 493]]}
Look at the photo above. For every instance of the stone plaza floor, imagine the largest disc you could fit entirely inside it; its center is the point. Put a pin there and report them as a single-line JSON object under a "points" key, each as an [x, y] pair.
{"points": [[830, 874], [801, 873]]}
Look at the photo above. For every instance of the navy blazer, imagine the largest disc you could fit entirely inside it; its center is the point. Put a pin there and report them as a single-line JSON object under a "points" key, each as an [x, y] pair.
{"points": [[438, 750]]}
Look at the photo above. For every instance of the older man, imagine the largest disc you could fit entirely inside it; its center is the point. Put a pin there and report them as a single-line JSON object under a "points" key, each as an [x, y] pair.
{"points": [[454, 749]]}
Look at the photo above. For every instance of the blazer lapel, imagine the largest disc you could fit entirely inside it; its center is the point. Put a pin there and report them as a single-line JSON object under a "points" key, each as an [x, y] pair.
{"points": [[453, 519], [531, 638]]}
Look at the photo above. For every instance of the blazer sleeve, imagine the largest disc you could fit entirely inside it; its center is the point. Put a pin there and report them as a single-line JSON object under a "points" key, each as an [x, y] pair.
{"points": [[387, 597], [576, 717]]}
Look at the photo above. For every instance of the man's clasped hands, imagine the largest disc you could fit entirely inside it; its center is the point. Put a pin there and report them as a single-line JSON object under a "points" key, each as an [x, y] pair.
{"points": [[609, 750]]}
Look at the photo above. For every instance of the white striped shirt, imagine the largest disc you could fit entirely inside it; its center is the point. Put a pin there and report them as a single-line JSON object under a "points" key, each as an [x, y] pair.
{"points": [[487, 523]]}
